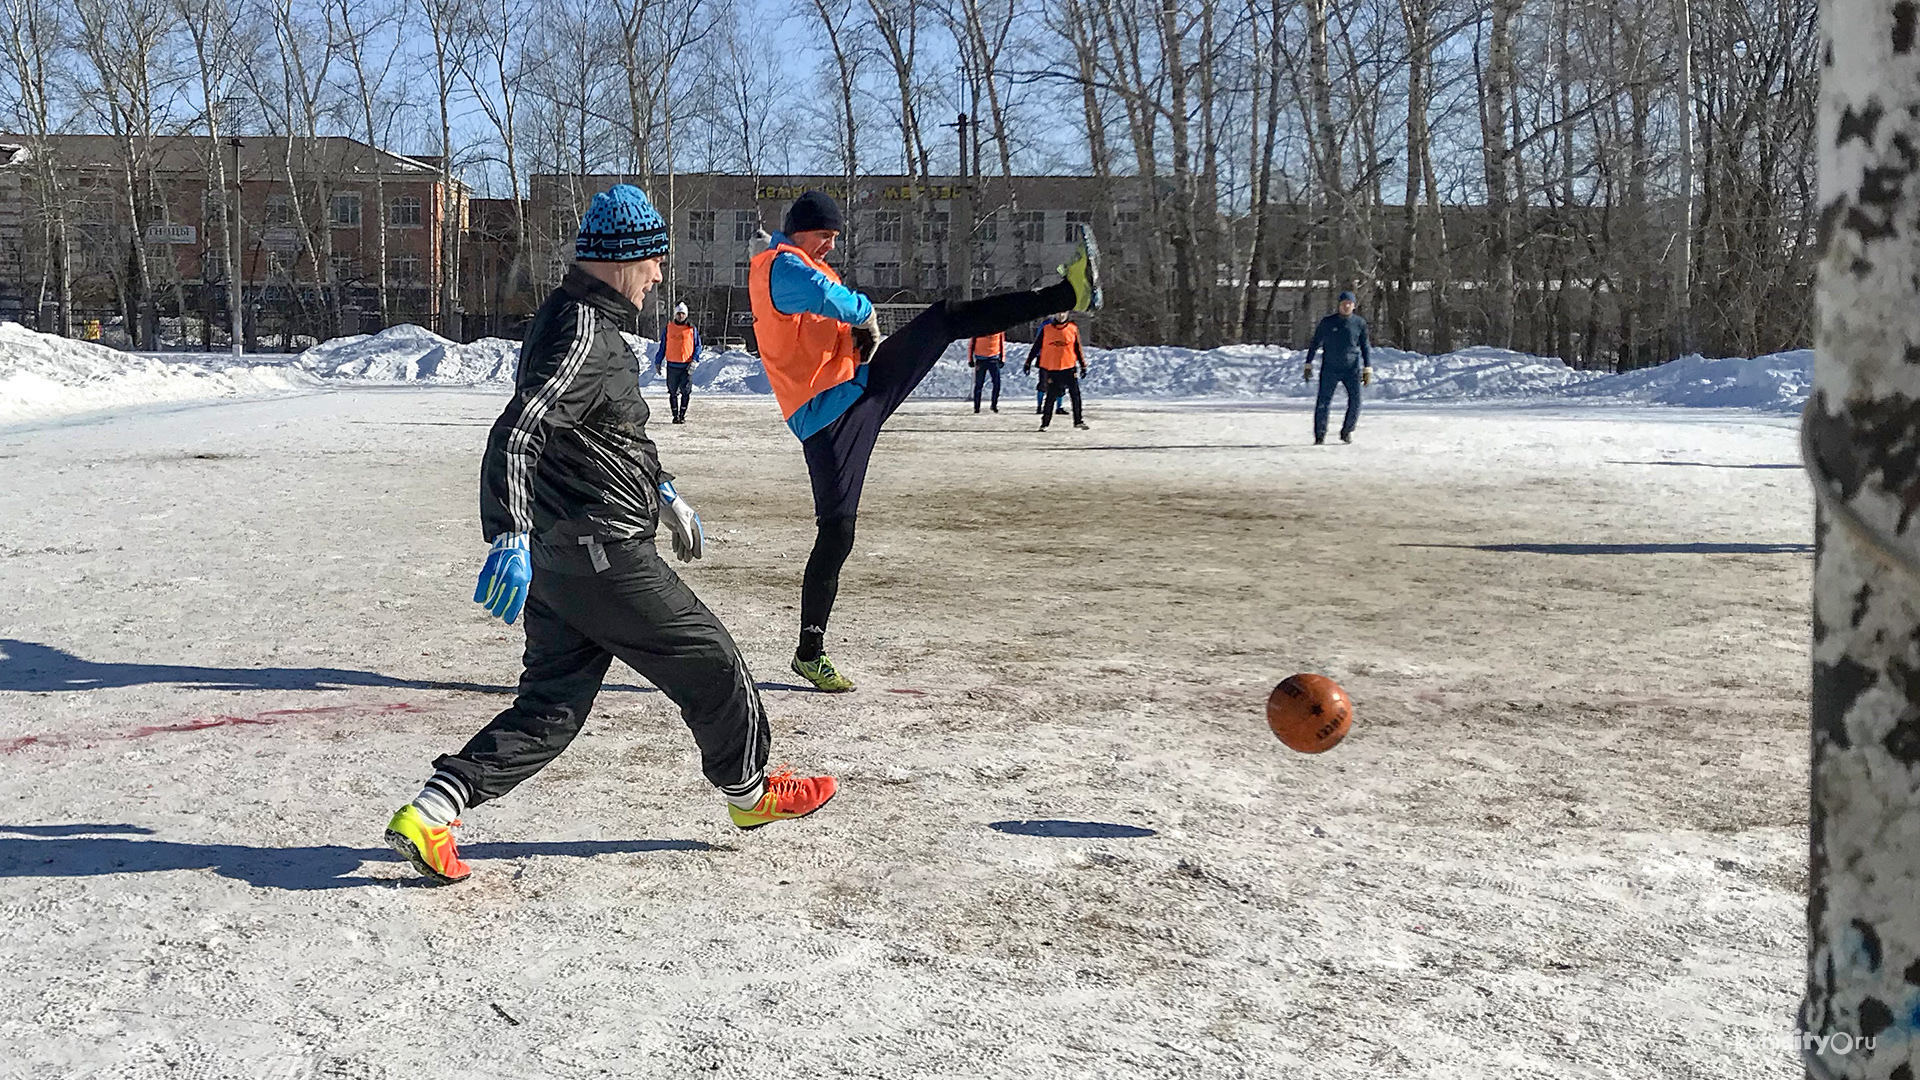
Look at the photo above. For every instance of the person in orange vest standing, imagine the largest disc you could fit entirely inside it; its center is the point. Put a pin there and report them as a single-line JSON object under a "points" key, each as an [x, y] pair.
{"points": [[679, 347], [985, 354], [1057, 349], [837, 381]]}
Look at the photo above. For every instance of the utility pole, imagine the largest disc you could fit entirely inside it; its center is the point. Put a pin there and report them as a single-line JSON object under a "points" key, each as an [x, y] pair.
{"points": [[236, 294], [960, 223]]}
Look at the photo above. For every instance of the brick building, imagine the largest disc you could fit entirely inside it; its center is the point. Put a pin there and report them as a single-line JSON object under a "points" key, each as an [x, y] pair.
{"points": [[309, 230]]}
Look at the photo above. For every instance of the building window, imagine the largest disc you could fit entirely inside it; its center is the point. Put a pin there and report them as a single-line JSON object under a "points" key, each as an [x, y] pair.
{"points": [[1077, 222], [279, 210], [213, 266], [345, 212], [740, 272], [345, 268], [886, 275], [886, 226], [214, 207], [933, 276], [700, 225], [404, 212], [745, 224], [1126, 220], [404, 270], [1030, 225], [279, 263], [1030, 276], [934, 226], [10, 258], [563, 222], [700, 274], [987, 229]]}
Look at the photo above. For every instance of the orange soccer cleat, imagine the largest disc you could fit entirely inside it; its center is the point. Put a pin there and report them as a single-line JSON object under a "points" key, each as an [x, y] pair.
{"points": [[428, 847], [787, 796]]}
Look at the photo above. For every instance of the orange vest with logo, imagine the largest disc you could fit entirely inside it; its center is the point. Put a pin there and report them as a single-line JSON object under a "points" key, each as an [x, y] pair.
{"points": [[803, 354], [1057, 341], [679, 343], [990, 345]]}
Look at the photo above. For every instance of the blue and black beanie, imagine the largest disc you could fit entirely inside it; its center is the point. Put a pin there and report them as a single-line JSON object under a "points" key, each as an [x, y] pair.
{"points": [[621, 226], [1346, 295]]}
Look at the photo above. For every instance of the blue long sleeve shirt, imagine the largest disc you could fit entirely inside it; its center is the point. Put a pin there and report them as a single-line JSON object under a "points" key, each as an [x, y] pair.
{"points": [[660, 350], [799, 289], [1337, 339]]}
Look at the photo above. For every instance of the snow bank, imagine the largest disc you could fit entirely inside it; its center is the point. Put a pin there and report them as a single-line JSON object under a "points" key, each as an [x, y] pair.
{"points": [[407, 353], [43, 376]]}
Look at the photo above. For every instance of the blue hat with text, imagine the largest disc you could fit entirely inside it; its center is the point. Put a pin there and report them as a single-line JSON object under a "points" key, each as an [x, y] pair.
{"points": [[621, 226]]}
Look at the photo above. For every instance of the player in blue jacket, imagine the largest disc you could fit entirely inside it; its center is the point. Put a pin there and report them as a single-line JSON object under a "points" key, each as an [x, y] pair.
{"points": [[1346, 361]]}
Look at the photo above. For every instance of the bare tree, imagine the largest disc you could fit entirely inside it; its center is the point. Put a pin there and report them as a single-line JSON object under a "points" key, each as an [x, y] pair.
{"points": [[33, 30], [360, 27], [1863, 946]]}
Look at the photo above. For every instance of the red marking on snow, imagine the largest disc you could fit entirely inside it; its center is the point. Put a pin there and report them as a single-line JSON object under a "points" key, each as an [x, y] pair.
{"points": [[921, 693], [264, 719]]}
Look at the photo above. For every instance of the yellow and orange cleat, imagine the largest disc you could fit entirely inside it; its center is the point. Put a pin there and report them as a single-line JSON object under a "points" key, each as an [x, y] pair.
{"points": [[788, 796], [429, 848]]}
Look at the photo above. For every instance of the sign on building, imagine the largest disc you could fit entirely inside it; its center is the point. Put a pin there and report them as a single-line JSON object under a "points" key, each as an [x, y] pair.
{"points": [[280, 239], [172, 234]]}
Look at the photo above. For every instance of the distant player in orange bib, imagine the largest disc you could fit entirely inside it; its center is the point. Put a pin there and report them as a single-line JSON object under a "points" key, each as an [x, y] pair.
{"points": [[985, 354], [1057, 350], [837, 381], [679, 348]]}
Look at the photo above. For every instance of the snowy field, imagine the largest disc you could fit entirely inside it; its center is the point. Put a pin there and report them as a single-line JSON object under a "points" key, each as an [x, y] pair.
{"points": [[1565, 839]]}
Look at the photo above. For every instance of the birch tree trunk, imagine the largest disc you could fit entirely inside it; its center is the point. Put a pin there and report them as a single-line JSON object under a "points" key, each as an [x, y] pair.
{"points": [[1862, 432]]}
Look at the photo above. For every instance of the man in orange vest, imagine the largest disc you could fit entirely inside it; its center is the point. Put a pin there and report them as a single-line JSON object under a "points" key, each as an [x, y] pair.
{"points": [[679, 346], [837, 382], [1057, 348], [985, 354]]}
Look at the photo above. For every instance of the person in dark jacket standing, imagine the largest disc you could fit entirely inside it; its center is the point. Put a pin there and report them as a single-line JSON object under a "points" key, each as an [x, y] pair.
{"points": [[572, 494], [1345, 360], [679, 348]]}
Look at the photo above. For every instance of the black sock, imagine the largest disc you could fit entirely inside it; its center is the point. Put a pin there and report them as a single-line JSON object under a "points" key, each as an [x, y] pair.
{"points": [[812, 643]]}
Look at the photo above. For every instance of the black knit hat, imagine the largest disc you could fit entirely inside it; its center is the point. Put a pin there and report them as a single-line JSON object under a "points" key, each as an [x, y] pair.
{"points": [[813, 210]]}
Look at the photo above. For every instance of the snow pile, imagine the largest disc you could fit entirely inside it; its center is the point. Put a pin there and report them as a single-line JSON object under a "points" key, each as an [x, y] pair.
{"points": [[408, 353], [44, 376], [1779, 382]]}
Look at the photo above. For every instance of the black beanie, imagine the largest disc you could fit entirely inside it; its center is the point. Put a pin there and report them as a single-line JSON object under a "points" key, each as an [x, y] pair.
{"points": [[813, 210]]}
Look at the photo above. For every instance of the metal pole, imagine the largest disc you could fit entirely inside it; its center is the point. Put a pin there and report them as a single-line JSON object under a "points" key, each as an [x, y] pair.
{"points": [[236, 291]]}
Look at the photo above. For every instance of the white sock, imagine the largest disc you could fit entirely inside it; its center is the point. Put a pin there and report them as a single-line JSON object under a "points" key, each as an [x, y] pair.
{"points": [[751, 798], [442, 800]]}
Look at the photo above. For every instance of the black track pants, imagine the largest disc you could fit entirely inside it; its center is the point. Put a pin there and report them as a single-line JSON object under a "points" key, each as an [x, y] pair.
{"points": [[1058, 383], [837, 454], [638, 610], [1331, 380], [679, 389]]}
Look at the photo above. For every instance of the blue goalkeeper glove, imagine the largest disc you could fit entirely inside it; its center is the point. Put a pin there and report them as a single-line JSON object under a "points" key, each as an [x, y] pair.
{"points": [[504, 579], [689, 540]]}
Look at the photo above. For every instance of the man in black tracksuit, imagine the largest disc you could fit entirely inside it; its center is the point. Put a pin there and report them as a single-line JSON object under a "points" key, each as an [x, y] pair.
{"points": [[572, 494], [1346, 361]]}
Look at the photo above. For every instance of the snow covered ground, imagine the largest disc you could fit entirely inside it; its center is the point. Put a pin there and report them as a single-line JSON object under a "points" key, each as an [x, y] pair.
{"points": [[1566, 838], [44, 377]]}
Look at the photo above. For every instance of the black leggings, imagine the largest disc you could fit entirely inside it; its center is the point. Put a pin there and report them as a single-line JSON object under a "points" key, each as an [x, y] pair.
{"points": [[1059, 383], [837, 454]]}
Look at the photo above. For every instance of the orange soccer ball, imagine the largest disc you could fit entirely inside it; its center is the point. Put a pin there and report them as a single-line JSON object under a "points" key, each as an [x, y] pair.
{"points": [[1310, 713]]}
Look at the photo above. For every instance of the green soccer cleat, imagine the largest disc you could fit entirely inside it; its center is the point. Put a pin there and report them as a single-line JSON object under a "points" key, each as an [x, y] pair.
{"points": [[822, 675], [1084, 271]]}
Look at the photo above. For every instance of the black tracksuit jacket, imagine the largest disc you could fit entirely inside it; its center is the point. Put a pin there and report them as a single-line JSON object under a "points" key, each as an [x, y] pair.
{"points": [[570, 456]]}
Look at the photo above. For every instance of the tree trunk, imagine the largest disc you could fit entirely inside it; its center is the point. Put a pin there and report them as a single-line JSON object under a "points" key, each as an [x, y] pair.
{"points": [[1862, 430]]}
